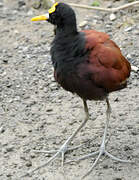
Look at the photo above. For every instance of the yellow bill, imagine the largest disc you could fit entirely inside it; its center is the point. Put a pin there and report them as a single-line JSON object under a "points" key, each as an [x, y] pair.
{"points": [[41, 17], [45, 16]]}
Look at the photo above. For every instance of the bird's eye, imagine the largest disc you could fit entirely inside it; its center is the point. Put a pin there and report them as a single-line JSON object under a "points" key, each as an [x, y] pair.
{"points": [[53, 15]]}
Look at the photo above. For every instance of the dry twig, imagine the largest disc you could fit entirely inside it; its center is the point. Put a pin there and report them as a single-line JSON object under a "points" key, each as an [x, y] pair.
{"points": [[106, 9]]}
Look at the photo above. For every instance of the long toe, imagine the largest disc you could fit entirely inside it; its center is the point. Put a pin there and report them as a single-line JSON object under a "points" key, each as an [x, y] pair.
{"points": [[104, 152], [61, 151]]}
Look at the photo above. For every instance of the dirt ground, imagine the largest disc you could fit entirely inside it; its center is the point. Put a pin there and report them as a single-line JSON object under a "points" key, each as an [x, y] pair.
{"points": [[37, 114]]}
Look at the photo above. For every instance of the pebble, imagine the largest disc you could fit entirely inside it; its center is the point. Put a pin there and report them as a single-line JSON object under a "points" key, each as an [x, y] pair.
{"points": [[134, 68], [134, 133], [49, 109], [53, 86], [5, 61], [112, 17], [83, 23], [136, 32], [105, 166], [127, 148], [32, 155], [9, 148], [22, 156], [95, 21], [30, 13], [8, 175], [43, 34], [116, 99], [21, 3], [29, 163], [1, 4], [17, 98], [128, 29], [2, 129], [16, 31], [129, 56]]}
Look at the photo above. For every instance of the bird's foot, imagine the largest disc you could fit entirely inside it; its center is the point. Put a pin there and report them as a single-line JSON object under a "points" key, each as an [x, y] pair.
{"points": [[106, 153], [100, 152], [61, 151]]}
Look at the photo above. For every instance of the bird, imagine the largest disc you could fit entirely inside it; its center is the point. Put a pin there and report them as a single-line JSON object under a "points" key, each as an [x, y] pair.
{"points": [[87, 63]]}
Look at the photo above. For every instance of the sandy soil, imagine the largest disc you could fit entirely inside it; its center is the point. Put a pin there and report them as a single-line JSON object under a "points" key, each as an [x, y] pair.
{"points": [[36, 114]]}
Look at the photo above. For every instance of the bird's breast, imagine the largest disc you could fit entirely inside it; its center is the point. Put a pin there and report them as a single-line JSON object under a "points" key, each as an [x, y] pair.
{"points": [[78, 82]]}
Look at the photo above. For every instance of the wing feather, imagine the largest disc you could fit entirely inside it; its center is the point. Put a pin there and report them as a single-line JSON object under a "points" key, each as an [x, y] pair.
{"points": [[108, 67]]}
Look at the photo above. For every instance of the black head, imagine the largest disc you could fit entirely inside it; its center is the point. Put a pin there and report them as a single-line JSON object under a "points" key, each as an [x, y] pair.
{"points": [[61, 15]]}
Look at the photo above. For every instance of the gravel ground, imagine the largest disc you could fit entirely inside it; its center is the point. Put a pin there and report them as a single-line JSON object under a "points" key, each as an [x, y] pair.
{"points": [[36, 114]]}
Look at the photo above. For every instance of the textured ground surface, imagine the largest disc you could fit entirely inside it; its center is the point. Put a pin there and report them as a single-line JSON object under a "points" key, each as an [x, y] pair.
{"points": [[37, 114]]}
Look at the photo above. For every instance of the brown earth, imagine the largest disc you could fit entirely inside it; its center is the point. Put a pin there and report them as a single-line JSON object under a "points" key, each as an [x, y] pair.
{"points": [[36, 114]]}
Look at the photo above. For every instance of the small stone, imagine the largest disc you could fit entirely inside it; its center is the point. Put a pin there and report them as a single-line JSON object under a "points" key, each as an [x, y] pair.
{"points": [[53, 86], [4, 74], [83, 23], [43, 34], [129, 56], [50, 76], [128, 29], [14, 12], [2, 130], [9, 55], [129, 127], [23, 157], [9, 84], [45, 89], [32, 155], [49, 109], [112, 17], [46, 3], [30, 13], [134, 132], [36, 4], [10, 100], [16, 31], [134, 68], [4, 50], [9, 148], [8, 175], [136, 32], [105, 166], [29, 164], [21, 3], [5, 61], [30, 130], [117, 178], [1, 4], [17, 98], [126, 148], [116, 99]]}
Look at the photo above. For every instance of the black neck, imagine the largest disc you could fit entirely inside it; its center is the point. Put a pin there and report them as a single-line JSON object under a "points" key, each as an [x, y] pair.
{"points": [[66, 30], [68, 27]]}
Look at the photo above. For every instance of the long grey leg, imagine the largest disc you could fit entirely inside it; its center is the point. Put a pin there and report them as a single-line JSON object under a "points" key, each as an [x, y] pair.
{"points": [[102, 149]]}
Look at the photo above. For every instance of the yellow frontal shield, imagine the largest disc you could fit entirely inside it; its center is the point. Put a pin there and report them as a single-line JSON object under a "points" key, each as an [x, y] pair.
{"points": [[45, 16], [53, 8]]}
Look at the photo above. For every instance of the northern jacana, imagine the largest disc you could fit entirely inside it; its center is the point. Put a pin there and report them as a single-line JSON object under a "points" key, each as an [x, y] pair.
{"points": [[87, 63]]}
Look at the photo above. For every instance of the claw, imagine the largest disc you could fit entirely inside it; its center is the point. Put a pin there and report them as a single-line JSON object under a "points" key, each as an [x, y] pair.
{"points": [[43, 165], [101, 152]]}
